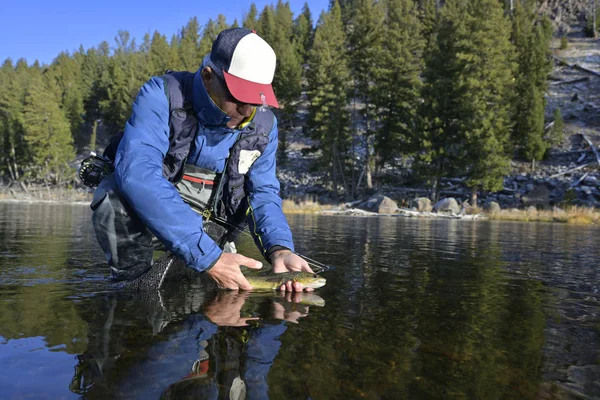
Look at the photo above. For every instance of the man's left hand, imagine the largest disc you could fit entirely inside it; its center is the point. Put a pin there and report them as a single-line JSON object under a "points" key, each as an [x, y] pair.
{"points": [[285, 261]]}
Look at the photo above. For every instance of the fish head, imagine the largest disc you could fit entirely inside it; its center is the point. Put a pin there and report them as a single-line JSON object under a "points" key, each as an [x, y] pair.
{"points": [[311, 280]]}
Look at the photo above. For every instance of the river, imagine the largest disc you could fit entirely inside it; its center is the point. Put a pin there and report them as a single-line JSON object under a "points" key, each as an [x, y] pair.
{"points": [[415, 308]]}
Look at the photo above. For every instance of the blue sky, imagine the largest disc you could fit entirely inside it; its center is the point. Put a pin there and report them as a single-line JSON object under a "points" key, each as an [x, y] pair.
{"points": [[34, 29]]}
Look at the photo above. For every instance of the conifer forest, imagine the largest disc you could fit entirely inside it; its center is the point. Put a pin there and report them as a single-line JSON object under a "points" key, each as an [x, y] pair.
{"points": [[449, 88]]}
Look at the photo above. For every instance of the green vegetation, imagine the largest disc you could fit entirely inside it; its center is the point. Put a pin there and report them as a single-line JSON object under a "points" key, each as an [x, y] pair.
{"points": [[570, 215], [564, 42], [457, 86]]}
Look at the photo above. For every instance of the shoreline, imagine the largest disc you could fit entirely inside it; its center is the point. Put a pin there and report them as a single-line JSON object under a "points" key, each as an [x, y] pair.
{"points": [[570, 215]]}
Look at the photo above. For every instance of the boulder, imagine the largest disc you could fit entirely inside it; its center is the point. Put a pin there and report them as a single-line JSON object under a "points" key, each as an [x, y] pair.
{"points": [[493, 207], [447, 205], [538, 196], [422, 204], [380, 204]]}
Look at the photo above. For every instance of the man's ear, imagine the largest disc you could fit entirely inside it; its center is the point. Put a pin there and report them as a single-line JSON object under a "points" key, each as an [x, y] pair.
{"points": [[206, 75]]}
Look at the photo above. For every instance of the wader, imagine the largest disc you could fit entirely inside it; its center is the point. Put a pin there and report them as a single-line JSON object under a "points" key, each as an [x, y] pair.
{"points": [[127, 243]]}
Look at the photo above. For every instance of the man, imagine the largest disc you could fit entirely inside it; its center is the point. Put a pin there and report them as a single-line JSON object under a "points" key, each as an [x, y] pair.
{"points": [[215, 121]]}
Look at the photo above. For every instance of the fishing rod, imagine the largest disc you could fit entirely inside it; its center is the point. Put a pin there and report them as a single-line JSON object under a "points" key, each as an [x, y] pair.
{"points": [[312, 263]]}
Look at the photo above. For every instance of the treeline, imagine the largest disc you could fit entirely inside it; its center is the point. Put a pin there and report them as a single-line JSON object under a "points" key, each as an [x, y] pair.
{"points": [[455, 87]]}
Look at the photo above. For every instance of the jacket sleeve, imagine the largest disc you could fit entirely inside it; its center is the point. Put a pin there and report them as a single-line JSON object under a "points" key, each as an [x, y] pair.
{"points": [[265, 217], [138, 173]]}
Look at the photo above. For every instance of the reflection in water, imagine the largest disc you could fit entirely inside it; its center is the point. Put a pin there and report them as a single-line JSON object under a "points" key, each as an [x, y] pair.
{"points": [[194, 343], [415, 309]]}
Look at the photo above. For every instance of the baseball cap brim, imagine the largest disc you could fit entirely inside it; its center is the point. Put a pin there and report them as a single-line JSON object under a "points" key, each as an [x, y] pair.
{"points": [[249, 92]]}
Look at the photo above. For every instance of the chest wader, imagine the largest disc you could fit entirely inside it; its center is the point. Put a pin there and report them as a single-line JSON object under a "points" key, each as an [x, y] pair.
{"points": [[126, 242]]}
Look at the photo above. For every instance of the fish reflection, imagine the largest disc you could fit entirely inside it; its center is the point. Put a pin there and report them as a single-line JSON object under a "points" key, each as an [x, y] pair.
{"points": [[216, 345]]}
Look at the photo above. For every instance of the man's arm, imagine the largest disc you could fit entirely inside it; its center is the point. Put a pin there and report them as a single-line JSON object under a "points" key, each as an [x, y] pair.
{"points": [[267, 222], [138, 173], [265, 217]]}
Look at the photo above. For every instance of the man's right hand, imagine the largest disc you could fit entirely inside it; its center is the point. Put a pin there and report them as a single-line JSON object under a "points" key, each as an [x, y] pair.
{"points": [[227, 274]]}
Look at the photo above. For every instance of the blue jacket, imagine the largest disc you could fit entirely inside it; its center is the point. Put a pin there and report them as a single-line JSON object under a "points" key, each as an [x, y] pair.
{"points": [[138, 173]]}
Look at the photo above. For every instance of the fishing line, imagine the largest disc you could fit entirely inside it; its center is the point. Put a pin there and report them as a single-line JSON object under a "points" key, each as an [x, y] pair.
{"points": [[312, 263]]}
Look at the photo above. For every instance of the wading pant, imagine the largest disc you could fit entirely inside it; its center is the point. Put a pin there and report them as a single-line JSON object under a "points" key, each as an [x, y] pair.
{"points": [[127, 243]]}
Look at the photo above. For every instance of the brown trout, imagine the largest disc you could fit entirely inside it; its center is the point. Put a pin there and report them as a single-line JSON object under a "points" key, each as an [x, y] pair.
{"points": [[274, 281]]}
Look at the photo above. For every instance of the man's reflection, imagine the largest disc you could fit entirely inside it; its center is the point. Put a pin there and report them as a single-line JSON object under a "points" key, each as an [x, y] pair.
{"points": [[235, 337]]}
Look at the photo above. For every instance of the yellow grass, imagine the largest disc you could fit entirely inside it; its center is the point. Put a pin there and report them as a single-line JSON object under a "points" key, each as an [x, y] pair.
{"points": [[571, 215], [306, 205], [46, 194]]}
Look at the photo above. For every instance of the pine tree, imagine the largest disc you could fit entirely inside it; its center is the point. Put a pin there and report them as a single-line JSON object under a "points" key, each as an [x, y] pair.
{"points": [[468, 81], [94, 65], [488, 78], [366, 51], [328, 88], [399, 81], [46, 130], [189, 51], [66, 71], [532, 41], [210, 33], [12, 95], [250, 19], [303, 33], [159, 54], [267, 28]]}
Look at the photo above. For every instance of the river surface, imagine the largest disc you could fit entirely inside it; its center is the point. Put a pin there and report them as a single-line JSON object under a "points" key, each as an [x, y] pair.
{"points": [[415, 309]]}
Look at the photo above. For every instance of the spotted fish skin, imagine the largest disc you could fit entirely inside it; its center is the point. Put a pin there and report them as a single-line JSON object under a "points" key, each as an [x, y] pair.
{"points": [[274, 281]]}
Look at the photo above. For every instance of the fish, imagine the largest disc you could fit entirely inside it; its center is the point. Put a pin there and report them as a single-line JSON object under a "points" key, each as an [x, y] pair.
{"points": [[274, 281], [304, 298]]}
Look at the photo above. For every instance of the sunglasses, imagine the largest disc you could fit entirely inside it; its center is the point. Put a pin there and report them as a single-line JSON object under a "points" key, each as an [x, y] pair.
{"points": [[228, 96]]}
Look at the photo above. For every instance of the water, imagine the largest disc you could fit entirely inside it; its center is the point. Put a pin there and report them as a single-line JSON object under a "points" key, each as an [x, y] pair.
{"points": [[416, 309]]}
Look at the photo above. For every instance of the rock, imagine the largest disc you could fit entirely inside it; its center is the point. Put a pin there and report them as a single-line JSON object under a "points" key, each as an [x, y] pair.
{"points": [[447, 205], [493, 207], [422, 204], [531, 210], [539, 196], [378, 203], [508, 201]]}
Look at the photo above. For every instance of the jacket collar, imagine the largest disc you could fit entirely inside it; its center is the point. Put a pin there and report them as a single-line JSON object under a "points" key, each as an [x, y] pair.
{"points": [[206, 110]]}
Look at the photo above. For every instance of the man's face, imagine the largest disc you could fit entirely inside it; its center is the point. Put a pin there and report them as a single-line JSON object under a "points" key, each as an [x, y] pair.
{"points": [[217, 89]]}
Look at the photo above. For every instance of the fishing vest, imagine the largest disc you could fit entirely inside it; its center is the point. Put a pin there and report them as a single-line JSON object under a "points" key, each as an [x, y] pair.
{"points": [[220, 196]]}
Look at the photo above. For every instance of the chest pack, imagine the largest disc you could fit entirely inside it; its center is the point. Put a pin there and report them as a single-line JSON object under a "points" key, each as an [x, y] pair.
{"points": [[218, 195]]}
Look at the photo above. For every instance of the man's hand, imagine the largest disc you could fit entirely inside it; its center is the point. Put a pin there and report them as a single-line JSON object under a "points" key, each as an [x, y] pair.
{"points": [[226, 272], [284, 261], [225, 310]]}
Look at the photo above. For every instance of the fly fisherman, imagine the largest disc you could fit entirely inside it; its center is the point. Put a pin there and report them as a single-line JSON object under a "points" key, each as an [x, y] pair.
{"points": [[205, 140]]}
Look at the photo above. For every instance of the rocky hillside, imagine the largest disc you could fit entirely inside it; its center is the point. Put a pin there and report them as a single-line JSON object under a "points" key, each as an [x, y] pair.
{"points": [[565, 14], [569, 175]]}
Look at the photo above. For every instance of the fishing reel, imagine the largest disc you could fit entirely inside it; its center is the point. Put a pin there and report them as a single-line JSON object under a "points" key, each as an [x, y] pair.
{"points": [[93, 169]]}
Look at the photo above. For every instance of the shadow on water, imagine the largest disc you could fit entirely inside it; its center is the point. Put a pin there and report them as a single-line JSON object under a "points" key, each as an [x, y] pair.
{"points": [[415, 309]]}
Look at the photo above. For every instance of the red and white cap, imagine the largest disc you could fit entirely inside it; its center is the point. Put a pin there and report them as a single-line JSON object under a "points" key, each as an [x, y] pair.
{"points": [[248, 65]]}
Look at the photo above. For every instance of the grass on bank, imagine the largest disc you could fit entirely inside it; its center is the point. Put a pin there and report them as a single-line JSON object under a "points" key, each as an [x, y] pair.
{"points": [[305, 205], [571, 215]]}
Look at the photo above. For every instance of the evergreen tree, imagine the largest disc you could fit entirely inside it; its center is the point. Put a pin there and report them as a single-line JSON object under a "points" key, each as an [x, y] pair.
{"points": [[468, 80], [94, 65], [189, 50], [399, 81], [303, 33], [12, 96], [328, 87], [46, 130], [250, 19], [210, 33], [66, 71], [366, 50], [159, 54], [532, 41], [267, 28]]}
